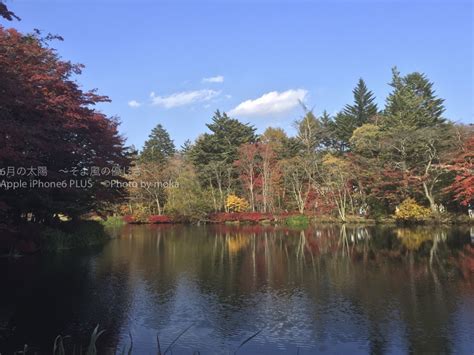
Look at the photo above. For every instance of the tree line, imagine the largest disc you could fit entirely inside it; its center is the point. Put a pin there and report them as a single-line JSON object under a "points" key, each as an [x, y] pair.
{"points": [[363, 161]]}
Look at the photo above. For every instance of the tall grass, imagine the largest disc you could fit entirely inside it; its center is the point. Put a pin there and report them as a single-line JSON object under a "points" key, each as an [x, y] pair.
{"points": [[60, 349]]}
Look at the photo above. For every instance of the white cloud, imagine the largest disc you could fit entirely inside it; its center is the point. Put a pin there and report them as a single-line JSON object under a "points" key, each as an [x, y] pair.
{"points": [[271, 103], [183, 98], [134, 103], [213, 79]]}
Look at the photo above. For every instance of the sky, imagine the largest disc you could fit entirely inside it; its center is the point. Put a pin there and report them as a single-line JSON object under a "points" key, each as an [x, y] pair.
{"points": [[176, 62]]}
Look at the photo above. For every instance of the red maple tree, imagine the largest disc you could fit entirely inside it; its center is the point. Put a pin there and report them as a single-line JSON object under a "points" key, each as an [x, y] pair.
{"points": [[46, 120]]}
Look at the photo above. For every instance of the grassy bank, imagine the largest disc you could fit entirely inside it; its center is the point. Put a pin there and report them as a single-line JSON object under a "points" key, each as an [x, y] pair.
{"points": [[73, 235], [113, 222]]}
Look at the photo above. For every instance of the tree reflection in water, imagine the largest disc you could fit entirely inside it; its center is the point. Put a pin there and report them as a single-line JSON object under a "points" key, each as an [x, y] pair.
{"points": [[329, 288]]}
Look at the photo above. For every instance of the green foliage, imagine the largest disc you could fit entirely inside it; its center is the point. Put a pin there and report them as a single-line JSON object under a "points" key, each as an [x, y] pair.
{"points": [[159, 147], [360, 163], [365, 140], [410, 211], [73, 234], [412, 103], [113, 221], [227, 135], [297, 221], [353, 116], [187, 200], [364, 107], [309, 132], [213, 154]]}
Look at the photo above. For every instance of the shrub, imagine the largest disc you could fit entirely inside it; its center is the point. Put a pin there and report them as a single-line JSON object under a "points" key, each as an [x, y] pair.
{"points": [[236, 204], [410, 211], [300, 221], [128, 218], [159, 219], [113, 221], [140, 213]]}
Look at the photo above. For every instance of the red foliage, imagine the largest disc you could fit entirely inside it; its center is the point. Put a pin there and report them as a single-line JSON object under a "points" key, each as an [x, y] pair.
{"points": [[463, 165], [128, 218], [46, 120], [159, 219]]}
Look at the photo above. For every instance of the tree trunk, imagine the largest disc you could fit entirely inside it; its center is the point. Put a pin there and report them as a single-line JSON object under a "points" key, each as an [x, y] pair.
{"points": [[158, 206], [429, 195]]}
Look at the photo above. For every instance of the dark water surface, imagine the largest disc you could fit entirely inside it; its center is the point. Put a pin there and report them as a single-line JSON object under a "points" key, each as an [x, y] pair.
{"points": [[324, 290]]}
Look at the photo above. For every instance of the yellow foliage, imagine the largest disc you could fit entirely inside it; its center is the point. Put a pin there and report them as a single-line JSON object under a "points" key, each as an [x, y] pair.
{"points": [[409, 210], [236, 204]]}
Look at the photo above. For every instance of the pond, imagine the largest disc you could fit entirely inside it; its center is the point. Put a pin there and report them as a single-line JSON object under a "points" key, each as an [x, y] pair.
{"points": [[327, 289]]}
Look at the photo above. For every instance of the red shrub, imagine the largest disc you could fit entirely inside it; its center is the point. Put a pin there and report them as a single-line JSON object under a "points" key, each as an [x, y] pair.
{"points": [[159, 219], [128, 218]]}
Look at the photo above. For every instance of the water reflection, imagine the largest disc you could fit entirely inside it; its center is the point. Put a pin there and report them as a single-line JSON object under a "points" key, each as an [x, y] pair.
{"points": [[329, 288]]}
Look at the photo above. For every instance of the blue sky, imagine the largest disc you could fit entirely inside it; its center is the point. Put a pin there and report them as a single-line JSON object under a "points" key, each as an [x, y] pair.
{"points": [[176, 62]]}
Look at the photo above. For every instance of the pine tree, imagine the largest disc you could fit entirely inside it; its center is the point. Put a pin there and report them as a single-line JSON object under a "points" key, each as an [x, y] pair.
{"points": [[412, 104], [364, 107], [186, 147], [354, 116], [227, 135], [159, 146]]}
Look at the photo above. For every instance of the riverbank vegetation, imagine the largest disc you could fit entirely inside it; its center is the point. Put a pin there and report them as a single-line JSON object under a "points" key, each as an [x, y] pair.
{"points": [[404, 161]]}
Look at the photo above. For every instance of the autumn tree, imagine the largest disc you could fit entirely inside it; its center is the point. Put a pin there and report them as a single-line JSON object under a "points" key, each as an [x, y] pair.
{"points": [[462, 165], [415, 134], [186, 199], [336, 176], [296, 182], [249, 167], [47, 121]]}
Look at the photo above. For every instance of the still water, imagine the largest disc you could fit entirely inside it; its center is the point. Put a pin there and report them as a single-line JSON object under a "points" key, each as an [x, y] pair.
{"points": [[328, 289]]}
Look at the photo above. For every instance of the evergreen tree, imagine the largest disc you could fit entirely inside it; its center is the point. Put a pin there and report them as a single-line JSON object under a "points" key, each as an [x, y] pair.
{"points": [[214, 154], [364, 107], [354, 116], [159, 146], [412, 104], [227, 135], [186, 147]]}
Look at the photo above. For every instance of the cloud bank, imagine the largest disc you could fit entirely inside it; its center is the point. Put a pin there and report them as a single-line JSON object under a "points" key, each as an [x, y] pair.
{"points": [[134, 103], [183, 98], [271, 103]]}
